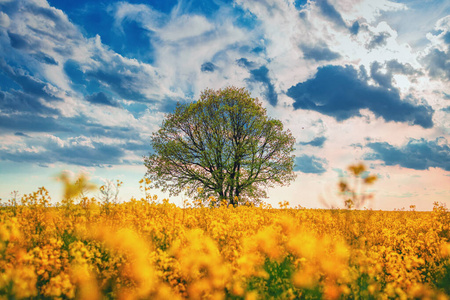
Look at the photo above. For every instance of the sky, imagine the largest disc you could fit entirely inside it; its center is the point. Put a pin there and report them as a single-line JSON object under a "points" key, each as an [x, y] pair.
{"points": [[83, 84]]}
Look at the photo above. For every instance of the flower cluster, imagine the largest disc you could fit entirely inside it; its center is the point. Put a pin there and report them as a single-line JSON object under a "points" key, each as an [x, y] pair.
{"points": [[146, 249]]}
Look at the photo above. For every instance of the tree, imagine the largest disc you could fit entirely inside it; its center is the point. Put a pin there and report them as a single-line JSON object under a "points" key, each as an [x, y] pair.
{"points": [[224, 145]]}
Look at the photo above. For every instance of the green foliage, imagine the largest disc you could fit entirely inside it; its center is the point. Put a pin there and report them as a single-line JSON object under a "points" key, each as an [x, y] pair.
{"points": [[223, 145], [278, 283], [444, 281]]}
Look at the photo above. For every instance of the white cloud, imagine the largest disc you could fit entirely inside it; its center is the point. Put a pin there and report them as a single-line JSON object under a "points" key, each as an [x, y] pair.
{"points": [[184, 42], [109, 116], [369, 10], [54, 140], [4, 20], [141, 13], [184, 27], [180, 61], [10, 141], [443, 24], [59, 39], [436, 39]]}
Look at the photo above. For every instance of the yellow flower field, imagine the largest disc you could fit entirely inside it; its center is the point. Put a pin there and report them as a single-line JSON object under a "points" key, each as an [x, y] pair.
{"points": [[145, 249]]}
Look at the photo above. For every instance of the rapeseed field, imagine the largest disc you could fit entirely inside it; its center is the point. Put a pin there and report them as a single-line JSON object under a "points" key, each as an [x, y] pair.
{"points": [[151, 249]]}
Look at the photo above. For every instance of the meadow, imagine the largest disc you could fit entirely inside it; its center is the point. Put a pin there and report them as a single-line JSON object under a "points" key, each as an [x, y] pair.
{"points": [[151, 249]]}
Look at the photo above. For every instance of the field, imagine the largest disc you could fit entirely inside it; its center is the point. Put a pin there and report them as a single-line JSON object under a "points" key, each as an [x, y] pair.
{"points": [[151, 249]]}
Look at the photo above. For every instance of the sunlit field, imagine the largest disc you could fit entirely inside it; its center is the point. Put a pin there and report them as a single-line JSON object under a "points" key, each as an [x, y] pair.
{"points": [[151, 249]]}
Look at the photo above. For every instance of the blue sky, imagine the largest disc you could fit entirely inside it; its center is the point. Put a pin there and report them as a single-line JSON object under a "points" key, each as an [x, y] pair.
{"points": [[83, 84]]}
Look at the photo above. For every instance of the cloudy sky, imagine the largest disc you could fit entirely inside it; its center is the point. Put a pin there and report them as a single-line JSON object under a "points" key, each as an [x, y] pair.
{"points": [[83, 84]]}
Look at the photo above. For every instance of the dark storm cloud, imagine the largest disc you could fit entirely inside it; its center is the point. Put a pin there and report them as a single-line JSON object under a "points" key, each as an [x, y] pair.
{"points": [[310, 164], [30, 122], [17, 41], [99, 154], [44, 58], [378, 40], [437, 63], [52, 30], [319, 53], [21, 134], [208, 67], [18, 102], [330, 12], [81, 155], [418, 154], [340, 92], [383, 79], [130, 139], [317, 142], [33, 86], [395, 67], [122, 133], [29, 84], [354, 29], [119, 77], [24, 156], [138, 147], [120, 83], [101, 99], [260, 75], [245, 63], [24, 107], [55, 33]]}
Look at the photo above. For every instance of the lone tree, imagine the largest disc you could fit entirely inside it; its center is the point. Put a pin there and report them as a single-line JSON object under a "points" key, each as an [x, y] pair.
{"points": [[224, 145]]}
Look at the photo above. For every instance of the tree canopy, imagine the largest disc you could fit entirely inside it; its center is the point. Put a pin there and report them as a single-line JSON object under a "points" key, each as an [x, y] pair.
{"points": [[223, 145]]}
